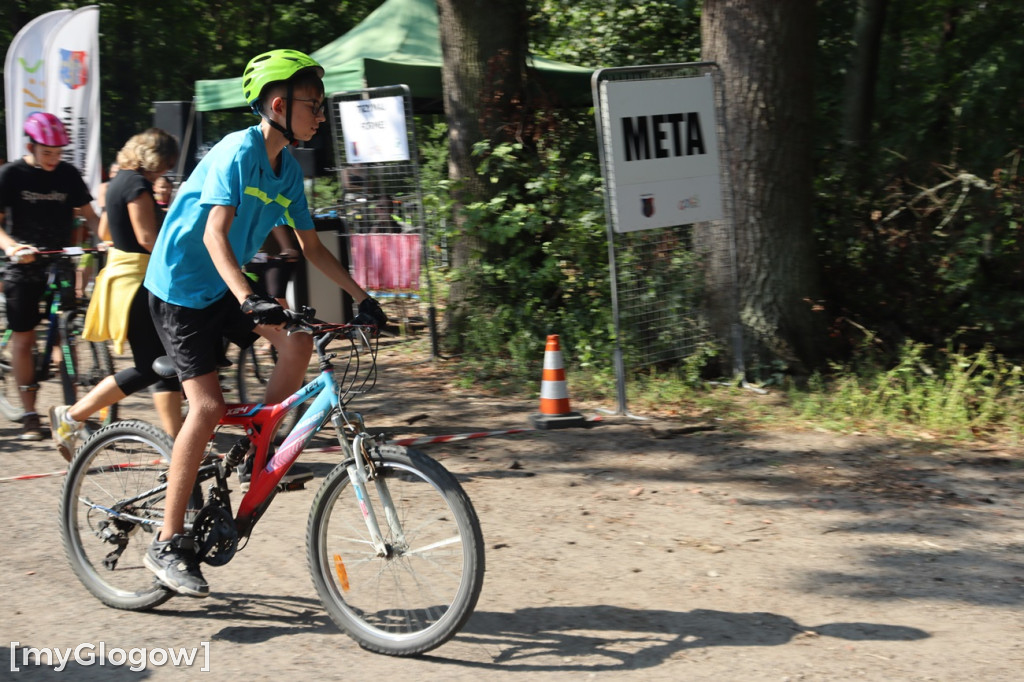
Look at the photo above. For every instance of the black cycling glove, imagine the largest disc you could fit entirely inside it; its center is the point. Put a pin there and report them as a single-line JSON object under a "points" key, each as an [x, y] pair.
{"points": [[370, 314], [264, 310]]}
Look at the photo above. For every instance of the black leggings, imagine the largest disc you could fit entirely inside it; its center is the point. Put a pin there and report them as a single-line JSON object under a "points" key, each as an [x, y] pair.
{"points": [[146, 348]]}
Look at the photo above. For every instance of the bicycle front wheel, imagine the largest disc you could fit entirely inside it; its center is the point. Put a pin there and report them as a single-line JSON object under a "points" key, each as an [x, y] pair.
{"points": [[111, 505], [420, 591]]}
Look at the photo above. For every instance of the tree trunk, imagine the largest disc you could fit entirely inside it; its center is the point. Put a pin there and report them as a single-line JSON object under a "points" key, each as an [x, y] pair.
{"points": [[765, 50], [483, 47], [859, 97]]}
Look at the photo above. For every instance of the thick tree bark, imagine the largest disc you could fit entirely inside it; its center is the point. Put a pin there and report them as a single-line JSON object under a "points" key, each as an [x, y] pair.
{"points": [[765, 50], [483, 46]]}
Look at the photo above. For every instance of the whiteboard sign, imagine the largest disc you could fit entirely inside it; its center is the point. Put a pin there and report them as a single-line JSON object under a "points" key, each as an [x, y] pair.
{"points": [[374, 130], [664, 168]]}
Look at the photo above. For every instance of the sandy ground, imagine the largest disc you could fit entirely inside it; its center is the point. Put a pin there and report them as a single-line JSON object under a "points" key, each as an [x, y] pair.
{"points": [[627, 550]]}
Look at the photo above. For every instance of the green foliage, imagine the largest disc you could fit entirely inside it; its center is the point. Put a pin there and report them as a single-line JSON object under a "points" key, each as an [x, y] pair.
{"points": [[956, 394], [599, 33], [151, 52]]}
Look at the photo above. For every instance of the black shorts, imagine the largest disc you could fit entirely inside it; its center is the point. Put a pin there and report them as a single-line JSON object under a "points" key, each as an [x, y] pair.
{"points": [[194, 338], [24, 290]]}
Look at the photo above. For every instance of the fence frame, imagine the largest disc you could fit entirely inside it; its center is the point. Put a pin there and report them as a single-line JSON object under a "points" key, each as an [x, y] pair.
{"points": [[395, 179], [619, 244]]}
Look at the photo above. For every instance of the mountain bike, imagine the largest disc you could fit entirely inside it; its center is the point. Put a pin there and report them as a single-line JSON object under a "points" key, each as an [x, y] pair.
{"points": [[394, 545], [82, 363]]}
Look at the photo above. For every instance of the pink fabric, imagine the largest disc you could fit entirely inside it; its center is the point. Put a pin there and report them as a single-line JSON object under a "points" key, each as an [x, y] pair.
{"points": [[386, 262]]}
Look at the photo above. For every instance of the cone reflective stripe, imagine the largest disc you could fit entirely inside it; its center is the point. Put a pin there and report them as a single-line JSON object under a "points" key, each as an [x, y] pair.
{"points": [[555, 412], [554, 395]]}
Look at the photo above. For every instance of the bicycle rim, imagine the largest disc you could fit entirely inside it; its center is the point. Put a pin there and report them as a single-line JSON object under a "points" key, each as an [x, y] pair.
{"points": [[420, 595], [105, 536]]}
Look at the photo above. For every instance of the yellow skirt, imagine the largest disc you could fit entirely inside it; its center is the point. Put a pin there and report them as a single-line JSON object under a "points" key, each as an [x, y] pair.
{"points": [[112, 296]]}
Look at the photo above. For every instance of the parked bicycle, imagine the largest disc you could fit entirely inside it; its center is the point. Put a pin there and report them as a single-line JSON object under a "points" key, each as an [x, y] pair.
{"points": [[393, 542], [81, 363]]}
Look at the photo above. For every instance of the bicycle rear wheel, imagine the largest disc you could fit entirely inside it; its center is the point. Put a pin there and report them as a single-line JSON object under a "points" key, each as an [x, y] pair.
{"points": [[421, 593], [110, 504]]}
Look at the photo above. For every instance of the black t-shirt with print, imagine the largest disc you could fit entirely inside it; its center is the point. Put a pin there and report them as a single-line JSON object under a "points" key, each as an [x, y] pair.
{"points": [[126, 186], [39, 205]]}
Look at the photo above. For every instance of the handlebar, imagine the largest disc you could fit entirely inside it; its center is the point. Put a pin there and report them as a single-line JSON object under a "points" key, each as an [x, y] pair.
{"points": [[68, 251]]}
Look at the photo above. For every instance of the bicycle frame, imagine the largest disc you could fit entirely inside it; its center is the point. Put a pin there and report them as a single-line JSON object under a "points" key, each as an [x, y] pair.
{"points": [[260, 423]]}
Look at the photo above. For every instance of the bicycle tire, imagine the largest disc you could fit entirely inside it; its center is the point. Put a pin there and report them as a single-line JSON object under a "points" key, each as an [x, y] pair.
{"points": [[117, 462], [10, 398], [421, 595], [84, 364]]}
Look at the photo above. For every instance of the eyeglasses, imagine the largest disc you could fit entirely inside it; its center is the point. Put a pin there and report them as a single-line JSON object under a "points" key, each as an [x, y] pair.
{"points": [[318, 107]]}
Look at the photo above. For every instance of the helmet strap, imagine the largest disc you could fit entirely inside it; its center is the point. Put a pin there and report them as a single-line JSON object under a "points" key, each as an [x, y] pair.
{"points": [[286, 129]]}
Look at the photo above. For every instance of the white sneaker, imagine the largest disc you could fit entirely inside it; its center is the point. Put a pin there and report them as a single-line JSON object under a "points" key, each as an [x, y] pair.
{"points": [[65, 433]]}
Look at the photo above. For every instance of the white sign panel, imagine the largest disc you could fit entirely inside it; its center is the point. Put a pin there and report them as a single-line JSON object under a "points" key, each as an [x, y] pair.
{"points": [[374, 130], [664, 168]]}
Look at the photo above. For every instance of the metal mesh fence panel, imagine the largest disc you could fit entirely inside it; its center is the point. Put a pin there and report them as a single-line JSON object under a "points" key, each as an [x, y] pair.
{"points": [[381, 204], [673, 288]]}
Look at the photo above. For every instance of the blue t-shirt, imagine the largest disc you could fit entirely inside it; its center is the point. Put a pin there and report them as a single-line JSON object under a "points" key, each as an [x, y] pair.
{"points": [[236, 172]]}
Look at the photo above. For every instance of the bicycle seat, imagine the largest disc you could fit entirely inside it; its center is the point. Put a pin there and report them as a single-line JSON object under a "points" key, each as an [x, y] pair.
{"points": [[164, 367]]}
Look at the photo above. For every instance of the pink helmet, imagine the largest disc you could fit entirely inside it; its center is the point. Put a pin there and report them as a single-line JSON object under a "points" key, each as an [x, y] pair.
{"points": [[46, 129]]}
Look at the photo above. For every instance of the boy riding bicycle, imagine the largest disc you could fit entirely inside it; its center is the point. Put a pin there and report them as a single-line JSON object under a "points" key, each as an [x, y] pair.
{"points": [[248, 183], [39, 194]]}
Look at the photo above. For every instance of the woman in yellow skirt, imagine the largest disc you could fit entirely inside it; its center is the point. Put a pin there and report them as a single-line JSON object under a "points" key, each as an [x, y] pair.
{"points": [[119, 309]]}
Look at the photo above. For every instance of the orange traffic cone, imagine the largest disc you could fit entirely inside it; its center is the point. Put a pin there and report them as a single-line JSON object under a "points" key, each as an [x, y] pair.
{"points": [[554, 396]]}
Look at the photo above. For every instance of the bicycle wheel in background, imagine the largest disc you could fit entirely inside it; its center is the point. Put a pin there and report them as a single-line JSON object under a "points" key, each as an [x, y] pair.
{"points": [[107, 517], [10, 400], [423, 590], [84, 364]]}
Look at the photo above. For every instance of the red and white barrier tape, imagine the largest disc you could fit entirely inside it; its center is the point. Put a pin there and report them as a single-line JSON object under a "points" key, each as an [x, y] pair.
{"points": [[426, 440], [29, 477]]}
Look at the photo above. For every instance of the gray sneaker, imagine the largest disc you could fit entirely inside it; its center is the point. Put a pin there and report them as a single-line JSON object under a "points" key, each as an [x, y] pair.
{"points": [[175, 565]]}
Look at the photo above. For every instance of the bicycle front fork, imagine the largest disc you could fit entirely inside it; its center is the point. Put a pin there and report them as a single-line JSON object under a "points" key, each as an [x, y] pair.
{"points": [[361, 470]]}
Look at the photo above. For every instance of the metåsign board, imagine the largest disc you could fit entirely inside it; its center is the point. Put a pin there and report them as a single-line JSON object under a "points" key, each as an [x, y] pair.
{"points": [[664, 168]]}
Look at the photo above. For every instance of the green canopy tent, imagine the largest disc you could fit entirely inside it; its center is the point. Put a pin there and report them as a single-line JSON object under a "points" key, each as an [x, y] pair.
{"points": [[398, 43]]}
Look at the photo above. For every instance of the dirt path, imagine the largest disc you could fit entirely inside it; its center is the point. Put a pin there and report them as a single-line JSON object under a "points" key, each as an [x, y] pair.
{"points": [[624, 551]]}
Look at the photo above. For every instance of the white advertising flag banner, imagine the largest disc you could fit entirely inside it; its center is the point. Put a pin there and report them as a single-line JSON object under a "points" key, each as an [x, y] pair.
{"points": [[664, 143], [72, 65], [25, 77], [374, 130]]}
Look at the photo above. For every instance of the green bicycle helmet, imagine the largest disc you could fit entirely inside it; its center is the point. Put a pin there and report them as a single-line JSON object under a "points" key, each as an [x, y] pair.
{"points": [[271, 67]]}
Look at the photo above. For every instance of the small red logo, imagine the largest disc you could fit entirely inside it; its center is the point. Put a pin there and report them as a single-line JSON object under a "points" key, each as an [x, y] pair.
{"points": [[647, 204]]}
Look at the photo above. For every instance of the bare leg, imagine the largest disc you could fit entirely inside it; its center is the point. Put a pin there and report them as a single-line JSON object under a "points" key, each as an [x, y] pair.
{"points": [[206, 407], [168, 406], [293, 354]]}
